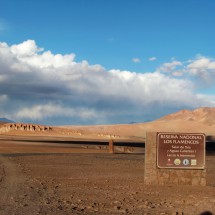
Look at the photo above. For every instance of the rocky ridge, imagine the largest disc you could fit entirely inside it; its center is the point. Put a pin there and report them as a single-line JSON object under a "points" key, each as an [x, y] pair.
{"points": [[23, 127]]}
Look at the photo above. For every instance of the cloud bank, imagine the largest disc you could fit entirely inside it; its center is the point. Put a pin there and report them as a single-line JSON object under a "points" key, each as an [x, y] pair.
{"points": [[39, 86]]}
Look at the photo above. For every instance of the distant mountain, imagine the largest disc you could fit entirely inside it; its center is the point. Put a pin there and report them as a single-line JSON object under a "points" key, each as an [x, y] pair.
{"points": [[5, 120], [203, 115]]}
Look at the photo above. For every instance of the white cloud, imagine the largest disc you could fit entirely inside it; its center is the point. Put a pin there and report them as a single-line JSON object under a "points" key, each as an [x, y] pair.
{"points": [[29, 54], [25, 49], [38, 112], [202, 67], [136, 60], [41, 85], [170, 66], [209, 100], [149, 87], [178, 73], [152, 58]]}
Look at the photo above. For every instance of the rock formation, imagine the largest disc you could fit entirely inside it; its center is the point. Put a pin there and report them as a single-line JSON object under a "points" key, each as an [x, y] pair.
{"points": [[23, 127]]}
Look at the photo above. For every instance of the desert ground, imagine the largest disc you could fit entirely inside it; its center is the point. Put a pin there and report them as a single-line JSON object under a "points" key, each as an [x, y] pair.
{"points": [[42, 172]]}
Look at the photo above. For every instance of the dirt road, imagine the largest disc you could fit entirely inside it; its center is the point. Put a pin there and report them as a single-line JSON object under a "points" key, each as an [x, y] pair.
{"points": [[78, 183]]}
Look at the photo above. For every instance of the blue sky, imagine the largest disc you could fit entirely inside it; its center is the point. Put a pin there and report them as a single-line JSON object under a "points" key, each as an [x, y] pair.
{"points": [[104, 62]]}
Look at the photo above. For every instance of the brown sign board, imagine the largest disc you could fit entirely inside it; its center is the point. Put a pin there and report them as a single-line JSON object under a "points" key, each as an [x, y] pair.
{"points": [[181, 150]]}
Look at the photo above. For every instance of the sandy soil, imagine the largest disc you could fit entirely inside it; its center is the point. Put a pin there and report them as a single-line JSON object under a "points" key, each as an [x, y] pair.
{"points": [[60, 179]]}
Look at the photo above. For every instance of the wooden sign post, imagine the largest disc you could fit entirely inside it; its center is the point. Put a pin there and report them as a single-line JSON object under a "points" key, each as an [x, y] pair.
{"points": [[111, 146]]}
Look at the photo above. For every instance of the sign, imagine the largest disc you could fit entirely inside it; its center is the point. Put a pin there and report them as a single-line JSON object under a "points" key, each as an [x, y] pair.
{"points": [[181, 150]]}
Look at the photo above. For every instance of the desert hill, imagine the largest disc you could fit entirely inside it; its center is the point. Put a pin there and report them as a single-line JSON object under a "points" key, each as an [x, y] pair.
{"points": [[200, 120], [203, 115]]}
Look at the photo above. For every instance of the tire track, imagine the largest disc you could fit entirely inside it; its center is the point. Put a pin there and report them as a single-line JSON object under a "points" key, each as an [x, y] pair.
{"points": [[12, 183]]}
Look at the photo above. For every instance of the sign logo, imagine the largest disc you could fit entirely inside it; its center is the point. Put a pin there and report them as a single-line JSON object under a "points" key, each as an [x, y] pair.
{"points": [[169, 162], [177, 161], [193, 162], [186, 162]]}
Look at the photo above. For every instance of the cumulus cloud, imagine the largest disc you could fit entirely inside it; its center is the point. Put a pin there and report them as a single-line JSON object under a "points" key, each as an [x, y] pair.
{"points": [[169, 67], [27, 48], [202, 67], [37, 85], [136, 60]]}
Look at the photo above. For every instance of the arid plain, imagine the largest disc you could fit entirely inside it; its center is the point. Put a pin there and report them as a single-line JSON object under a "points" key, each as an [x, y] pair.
{"points": [[47, 170]]}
